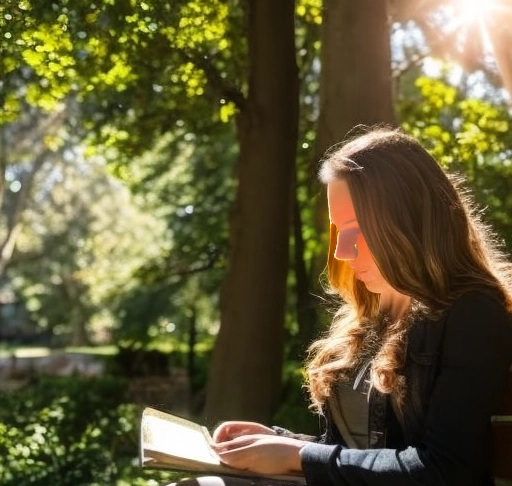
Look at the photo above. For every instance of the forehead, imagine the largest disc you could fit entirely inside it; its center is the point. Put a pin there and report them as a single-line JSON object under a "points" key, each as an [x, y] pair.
{"points": [[341, 208]]}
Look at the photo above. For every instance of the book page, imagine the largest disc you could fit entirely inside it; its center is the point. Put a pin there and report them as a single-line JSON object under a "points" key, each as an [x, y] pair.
{"points": [[177, 437]]}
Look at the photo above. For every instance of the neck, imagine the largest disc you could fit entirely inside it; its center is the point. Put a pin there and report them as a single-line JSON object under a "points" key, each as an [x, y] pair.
{"points": [[395, 304]]}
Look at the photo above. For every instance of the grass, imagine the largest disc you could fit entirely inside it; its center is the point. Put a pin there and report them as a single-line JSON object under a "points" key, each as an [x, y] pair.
{"points": [[106, 350], [36, 351]]}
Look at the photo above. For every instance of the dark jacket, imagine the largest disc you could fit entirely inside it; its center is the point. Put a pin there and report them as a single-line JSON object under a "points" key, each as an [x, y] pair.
{"points": [[456, 368]]}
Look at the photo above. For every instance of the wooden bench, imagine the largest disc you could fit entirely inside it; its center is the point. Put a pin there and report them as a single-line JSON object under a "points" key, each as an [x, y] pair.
{"points": [[502, 431]]}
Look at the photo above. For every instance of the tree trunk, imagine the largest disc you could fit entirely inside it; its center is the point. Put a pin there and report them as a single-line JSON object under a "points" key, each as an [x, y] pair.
{"points": [[14, 218], [191, 352], [356, 80], [245, 373], [79, 316], [355, 83]]}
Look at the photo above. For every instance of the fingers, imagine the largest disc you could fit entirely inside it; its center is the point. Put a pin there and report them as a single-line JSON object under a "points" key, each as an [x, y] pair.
{"points": [[231, 430], [238, 452], [236, 443], [228, 431]]}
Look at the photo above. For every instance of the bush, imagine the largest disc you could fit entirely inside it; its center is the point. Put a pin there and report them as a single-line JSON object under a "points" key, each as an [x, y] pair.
{"points": [[71, 432]]}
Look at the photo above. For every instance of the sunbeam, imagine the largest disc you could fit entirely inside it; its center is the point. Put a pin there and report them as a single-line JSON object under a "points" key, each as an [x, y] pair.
{"points": [[480, 18], [476, 10], [487, 23]]}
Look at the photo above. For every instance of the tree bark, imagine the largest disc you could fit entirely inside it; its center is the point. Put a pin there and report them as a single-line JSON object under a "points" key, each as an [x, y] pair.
{"points": [[356, 80], [245, 372]]}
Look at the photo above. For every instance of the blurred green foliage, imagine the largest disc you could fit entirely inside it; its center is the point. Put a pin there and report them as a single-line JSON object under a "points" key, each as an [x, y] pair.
{"points": [[469, 136], [147, 94], [71, 432]]}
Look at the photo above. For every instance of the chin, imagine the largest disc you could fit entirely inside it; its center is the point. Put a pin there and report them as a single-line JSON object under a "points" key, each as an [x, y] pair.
{"points": [[370, 288], [374, 289]]}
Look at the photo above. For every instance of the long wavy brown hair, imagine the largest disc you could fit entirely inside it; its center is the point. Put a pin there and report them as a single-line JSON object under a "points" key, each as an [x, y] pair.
{"points": [[428, 242]]}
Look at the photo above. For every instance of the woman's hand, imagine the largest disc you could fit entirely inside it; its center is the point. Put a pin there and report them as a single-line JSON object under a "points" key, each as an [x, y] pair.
{"points": [[262, 453], [231, 430]]}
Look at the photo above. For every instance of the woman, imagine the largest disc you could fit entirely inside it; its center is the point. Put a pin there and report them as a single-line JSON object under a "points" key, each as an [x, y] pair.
{"points": [[423, 331]]}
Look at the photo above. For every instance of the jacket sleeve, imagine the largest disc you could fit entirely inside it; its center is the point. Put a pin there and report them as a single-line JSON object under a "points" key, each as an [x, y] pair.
{"points": [[475, 358]]}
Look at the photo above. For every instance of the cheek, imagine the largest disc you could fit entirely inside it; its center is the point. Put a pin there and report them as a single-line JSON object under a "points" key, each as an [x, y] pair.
{"points": [[365, 257]]}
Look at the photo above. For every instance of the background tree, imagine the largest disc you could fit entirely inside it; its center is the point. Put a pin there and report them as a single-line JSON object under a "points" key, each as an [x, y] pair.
{"points": [[254, 290], [35, 142], [82, 238]]}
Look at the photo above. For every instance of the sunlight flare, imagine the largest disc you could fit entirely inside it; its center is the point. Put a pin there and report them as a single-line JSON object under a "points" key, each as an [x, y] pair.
{"points": [[476, 10], [487, 23], [480, 17]]}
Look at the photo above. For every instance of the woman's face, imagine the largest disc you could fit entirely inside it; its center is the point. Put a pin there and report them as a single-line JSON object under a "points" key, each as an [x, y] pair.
{"points": [[351, 245]]}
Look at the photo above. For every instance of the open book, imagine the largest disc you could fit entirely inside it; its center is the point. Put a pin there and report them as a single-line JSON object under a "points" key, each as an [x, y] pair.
{"points": [[171, 442]]}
